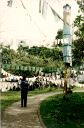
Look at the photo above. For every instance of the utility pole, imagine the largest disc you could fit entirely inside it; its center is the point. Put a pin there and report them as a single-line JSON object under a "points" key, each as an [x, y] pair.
{"points": [[67, 43]]}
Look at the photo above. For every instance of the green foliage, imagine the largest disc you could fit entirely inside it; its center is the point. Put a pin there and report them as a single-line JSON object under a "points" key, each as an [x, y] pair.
{"points": [[7, 98], [34, 56], [79, 21], [59, 34], [78, 51], [22, 47], [56, 112], [45, 52], [81, 5]]}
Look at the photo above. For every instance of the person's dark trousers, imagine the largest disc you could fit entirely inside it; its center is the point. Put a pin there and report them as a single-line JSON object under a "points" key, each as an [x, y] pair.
{"points": [[24, 99]]}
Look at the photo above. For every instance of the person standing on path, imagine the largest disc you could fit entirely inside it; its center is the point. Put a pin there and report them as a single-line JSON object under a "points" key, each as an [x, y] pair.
{"points": [[24, 91]]}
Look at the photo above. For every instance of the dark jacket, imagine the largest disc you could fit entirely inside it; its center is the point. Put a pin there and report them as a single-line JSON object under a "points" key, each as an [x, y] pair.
{"points": [[24, 86]]}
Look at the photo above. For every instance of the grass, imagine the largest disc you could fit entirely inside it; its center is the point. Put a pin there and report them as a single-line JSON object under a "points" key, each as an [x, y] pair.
{"points": [[7, 98], [59, 113], [42, 91], [78, 89]]}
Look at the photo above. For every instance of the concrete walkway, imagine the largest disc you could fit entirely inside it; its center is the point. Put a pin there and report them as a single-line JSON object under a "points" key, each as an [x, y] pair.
{"points": [[17, 117]]}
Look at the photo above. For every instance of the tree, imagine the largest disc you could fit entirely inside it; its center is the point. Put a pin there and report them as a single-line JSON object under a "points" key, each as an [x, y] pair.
{"points": [[22, 48], [59, 35], [34, 57], [81, 5], [79, 21], [78, 51]]}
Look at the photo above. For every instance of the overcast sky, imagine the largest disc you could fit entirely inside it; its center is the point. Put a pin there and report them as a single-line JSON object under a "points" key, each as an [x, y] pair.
{"points": [[18, 23]]}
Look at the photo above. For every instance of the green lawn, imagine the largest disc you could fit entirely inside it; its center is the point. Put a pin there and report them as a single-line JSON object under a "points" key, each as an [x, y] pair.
{"points": [[45, 90], [59, 113], [7, 98]]}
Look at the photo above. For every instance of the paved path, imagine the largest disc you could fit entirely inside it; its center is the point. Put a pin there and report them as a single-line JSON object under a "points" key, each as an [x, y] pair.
{"points": [[17, 117]]}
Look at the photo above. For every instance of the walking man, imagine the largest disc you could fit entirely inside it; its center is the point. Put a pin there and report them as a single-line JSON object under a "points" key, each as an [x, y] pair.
{"points": [[24, 91]]}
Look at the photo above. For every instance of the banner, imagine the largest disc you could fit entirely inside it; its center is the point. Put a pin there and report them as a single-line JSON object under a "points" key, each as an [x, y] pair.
{"points": [[17, 67], [37, 69], [44, 8], [9, 3], [25, 68], [40, 4], [21, 68], [56, 16], [12, 67], [29, 68], [33, 68], [5, 66], [40, 69]]}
